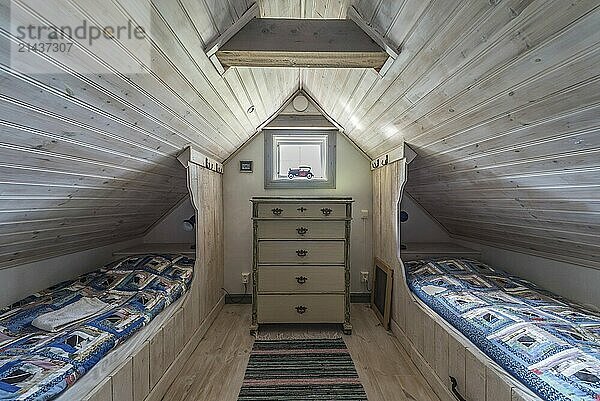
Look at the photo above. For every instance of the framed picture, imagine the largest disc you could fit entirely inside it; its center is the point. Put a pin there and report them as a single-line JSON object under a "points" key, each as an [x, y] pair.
{"points": [[245, 166]]}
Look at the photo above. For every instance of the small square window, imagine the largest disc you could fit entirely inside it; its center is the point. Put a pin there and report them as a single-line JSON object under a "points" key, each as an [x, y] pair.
{"points": [[299, 159]]}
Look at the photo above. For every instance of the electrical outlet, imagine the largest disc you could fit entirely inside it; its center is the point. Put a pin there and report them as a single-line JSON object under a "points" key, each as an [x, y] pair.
{"points": [[364, 277], [245, 278]]}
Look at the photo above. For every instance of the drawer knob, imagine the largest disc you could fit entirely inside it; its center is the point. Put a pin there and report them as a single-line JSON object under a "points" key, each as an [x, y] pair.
{"points": [[277, 211], [301, 252], [302, 230], [302, 209], [326, 211], [301, 279], [301, 309]]}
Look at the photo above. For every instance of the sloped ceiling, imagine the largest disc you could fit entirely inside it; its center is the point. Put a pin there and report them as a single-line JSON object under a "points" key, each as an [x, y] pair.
{"points": [[499, 98], [87, 160]]}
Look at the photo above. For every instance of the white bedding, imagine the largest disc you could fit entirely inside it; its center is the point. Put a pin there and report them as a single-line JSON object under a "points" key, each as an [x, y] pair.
{"points": [[70, 314]]}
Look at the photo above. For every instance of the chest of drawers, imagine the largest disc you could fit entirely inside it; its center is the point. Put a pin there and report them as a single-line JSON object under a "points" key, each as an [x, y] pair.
{"points": [[301, 270]]}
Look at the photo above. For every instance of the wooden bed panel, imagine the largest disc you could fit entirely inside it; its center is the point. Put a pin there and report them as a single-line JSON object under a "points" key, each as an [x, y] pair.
{"points": [[103, 392], [411, 327], [388, 182], [441, 353], [377, 210], [156, 358], [209, 206], [427, 371], [414, 325], [428, 339], [475, 378], [179, 332], [399, 308], [389, 174], [188, 319], [141, 373], [191, 307], [456, 363], [418, 316], [496, 389], [122, 382], [169, 342], [518, 395]]}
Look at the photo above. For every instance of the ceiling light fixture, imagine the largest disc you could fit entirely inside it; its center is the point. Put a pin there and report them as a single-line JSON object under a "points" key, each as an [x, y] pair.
{"points": [[300, 103]]}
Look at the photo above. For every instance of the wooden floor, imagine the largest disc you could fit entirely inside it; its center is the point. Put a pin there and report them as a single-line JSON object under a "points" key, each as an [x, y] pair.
{"points": [[215, 370]]}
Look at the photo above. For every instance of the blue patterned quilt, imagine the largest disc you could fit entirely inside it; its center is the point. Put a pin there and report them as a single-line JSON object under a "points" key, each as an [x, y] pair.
{"points": [[548, 343], [36, 365]]}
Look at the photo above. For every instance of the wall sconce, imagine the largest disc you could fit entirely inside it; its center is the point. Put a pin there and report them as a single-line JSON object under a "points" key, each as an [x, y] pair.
{"points": [[189, 224], [403, 218]]}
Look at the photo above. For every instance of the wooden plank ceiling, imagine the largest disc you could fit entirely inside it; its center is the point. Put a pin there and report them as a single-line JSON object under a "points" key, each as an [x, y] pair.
{"points": [[88, 160], [500, 99]]}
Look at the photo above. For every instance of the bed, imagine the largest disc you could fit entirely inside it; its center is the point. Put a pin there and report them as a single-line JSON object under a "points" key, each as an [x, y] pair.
{"points": [[548, 343], [38, 364]]}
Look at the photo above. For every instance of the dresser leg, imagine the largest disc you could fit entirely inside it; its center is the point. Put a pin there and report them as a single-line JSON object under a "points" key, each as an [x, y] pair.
{"points": [[347, 328], [254, 330]]}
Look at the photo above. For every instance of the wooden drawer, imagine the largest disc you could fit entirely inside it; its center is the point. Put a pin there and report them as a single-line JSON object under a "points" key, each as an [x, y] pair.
{"points": [[327, 308], [301, 252], [295, 210], [301, 279], [292, 229]]}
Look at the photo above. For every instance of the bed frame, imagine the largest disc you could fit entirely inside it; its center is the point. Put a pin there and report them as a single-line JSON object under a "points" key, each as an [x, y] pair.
{"points": [[438, 350], [151, 369], [454, 367]]}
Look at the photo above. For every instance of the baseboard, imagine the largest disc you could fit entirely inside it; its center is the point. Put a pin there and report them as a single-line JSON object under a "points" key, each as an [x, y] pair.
{"points": [[355, 298], [427, 371], [360, 297], [160, 389], [238, 298]]}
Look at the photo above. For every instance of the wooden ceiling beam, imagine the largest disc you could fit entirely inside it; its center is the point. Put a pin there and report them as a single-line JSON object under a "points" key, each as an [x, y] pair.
{"points": [[211, 48], [392, 50], [302, 43]]}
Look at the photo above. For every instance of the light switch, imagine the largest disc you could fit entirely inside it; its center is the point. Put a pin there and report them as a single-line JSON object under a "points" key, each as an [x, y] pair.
{"points": [[364, 214]]}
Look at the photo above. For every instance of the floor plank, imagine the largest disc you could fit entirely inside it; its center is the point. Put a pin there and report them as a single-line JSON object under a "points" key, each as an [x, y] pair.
{"points": [[216, 368]]}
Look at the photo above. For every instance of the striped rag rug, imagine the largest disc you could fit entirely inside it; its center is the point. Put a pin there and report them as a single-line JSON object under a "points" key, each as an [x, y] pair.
{"points": [[301, 370]]}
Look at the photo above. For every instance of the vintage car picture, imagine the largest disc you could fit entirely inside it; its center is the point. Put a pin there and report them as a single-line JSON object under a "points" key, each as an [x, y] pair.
{"points": [[301, 171]]}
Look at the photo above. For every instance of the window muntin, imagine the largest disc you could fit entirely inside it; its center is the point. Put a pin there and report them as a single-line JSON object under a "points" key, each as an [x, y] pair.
{"points": [[299, 159]]}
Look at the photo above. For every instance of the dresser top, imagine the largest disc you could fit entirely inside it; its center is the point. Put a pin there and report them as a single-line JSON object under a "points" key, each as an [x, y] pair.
{"points": [[295, 199]]}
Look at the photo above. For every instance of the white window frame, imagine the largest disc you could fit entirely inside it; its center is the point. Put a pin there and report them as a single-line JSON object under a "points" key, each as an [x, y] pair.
{"points": [[275, 179]]}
